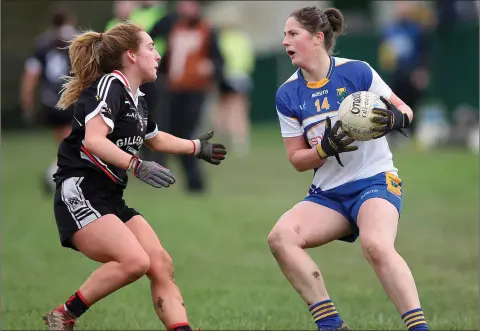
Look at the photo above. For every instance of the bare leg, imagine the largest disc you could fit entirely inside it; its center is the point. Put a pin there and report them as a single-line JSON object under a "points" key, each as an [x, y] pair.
{"points": [[378, 221], [239, 122], [305, 225], [308, 225], [167, 299], [109, 241]]}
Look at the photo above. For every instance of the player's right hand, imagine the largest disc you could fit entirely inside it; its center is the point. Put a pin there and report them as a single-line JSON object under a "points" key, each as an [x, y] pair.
{"points": [[334, 143], [151, 172]]}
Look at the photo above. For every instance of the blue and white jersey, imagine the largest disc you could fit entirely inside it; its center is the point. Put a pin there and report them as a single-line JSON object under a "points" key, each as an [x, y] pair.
{"points": [[302, 108]]}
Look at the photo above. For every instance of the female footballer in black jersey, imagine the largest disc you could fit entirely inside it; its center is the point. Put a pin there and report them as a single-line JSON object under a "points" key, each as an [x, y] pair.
{"points": [[111, 122]]}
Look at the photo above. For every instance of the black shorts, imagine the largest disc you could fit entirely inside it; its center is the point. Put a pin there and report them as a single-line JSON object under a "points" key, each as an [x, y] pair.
{"points": [[81, 200], [54, 117]]}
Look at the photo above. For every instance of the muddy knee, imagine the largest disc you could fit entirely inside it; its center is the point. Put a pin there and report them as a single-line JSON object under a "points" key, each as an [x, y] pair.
{"points": [[282, 237], [161, 266]]}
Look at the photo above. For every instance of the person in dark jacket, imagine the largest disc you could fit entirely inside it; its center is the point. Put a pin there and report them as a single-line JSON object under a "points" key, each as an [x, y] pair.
{"points": [[191, 68]]}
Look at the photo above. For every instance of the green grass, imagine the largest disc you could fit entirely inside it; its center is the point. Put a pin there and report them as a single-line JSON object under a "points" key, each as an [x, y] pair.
{"points": [[227, 275]]}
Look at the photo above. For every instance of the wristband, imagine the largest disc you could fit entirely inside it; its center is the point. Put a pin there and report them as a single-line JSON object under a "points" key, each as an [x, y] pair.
{"points": [[196, 147], [321, 152], [133, 165]]}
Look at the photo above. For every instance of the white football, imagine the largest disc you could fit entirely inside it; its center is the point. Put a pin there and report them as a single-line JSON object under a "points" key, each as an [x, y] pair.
{"points": [[355, 112]]}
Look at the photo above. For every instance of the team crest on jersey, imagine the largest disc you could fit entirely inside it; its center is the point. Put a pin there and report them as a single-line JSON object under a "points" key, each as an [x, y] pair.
{"points": [[341, 93], [97, 97]]}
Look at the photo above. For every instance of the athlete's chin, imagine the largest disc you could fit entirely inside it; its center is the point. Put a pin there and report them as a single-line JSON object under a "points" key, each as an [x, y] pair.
{"points": [[151, 78], [296, 61]]}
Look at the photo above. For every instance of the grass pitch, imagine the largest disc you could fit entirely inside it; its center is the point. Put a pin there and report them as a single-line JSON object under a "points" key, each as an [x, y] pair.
{"points": [[224, 268]]}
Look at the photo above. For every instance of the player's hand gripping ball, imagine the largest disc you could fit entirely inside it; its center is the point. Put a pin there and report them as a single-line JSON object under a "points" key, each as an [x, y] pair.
{"points": [[356, 113]]}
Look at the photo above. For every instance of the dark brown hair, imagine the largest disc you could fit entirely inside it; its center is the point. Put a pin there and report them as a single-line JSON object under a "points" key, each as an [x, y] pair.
{"points": [[60, 15], [93, 54], [329, 21]]}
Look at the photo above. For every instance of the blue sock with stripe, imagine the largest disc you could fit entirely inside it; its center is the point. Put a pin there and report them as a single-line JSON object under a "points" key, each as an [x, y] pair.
{"points": [[325, 315], [415, 320]]}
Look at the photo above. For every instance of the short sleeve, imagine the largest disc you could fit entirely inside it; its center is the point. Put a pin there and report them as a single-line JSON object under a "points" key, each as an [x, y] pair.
{"points": [[289, 124], [376, 85], [107, 101], [36, 61], [152, 128]]}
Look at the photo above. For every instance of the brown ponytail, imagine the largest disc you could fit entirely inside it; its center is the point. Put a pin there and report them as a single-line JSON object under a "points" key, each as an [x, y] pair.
{"points": [[336, 20], [93, 54], [84, 56]]}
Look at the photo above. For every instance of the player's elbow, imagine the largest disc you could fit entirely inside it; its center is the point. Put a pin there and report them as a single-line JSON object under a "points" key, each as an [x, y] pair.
{"points": [[298, 165], [299, 168], [297, 162], [303, 162]]}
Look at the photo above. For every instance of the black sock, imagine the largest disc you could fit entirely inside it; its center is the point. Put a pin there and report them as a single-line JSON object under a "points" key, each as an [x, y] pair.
{"points": [[76, 305]]}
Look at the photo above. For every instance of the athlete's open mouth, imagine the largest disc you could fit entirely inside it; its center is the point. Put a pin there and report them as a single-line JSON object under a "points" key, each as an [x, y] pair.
{"points": [[291, 53]]}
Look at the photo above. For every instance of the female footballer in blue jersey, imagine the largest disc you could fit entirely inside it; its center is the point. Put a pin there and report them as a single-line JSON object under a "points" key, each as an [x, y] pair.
{"points": [[358, 192]]}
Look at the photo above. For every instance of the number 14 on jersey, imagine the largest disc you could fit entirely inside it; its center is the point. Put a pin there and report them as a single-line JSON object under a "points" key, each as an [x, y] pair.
{"points": [[324, 106]]}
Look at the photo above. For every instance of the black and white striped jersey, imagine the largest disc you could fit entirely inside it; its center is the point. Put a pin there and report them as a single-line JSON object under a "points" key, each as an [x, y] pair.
{"points": [[128, 119]]}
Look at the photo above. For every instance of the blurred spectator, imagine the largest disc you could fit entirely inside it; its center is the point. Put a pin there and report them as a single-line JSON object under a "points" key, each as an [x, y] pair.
{"points": [[191, 65], [121, 12], [46, 66], [464, 126], [446, 14], [404, 52], [147, 14], [231, 116]]}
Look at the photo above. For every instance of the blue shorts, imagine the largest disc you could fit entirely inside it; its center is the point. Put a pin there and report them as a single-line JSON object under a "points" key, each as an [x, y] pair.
{"points": [[347, 198]]}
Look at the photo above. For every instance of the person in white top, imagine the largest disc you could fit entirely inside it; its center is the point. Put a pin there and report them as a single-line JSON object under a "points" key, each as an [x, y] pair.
{"points": [[355, 191]]}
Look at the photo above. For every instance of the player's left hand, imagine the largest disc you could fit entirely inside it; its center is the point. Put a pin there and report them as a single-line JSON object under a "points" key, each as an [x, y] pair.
{"points": [[390, 119], [211, 152]]}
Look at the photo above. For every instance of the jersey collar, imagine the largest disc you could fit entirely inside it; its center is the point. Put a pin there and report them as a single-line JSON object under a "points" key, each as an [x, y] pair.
{"points": [[321, 83], [121, 77]]}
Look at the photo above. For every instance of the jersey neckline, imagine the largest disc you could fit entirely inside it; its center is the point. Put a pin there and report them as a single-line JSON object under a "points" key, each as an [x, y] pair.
{"points": [[322, 82], [121, 77]]}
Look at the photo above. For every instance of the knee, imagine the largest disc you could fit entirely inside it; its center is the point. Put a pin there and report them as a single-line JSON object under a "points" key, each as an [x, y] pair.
{"points": [[161, 266], [376, 250], [137, 266], [282, 237]]}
